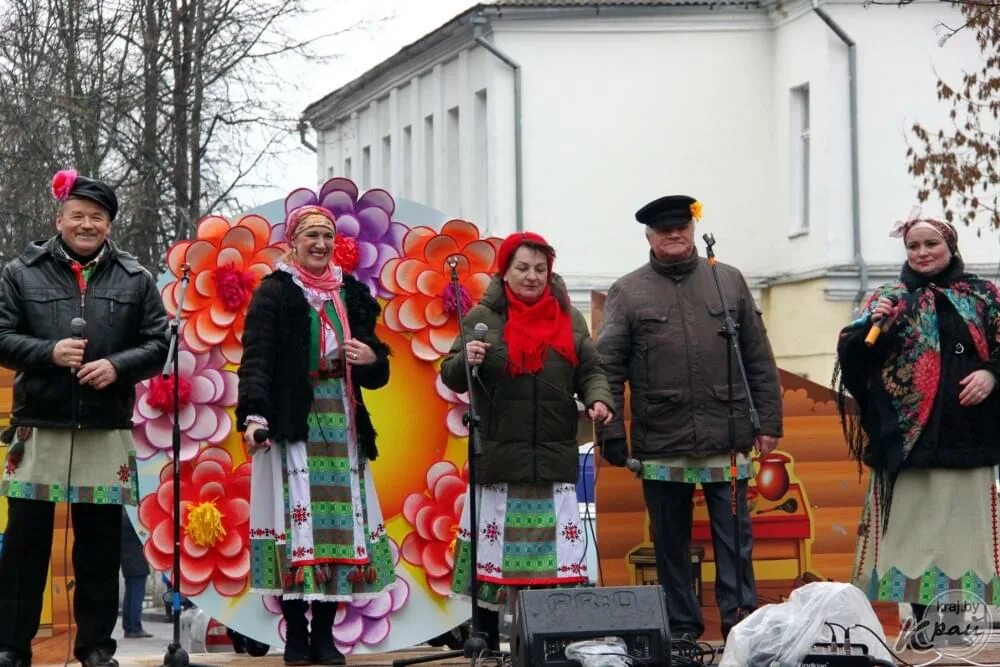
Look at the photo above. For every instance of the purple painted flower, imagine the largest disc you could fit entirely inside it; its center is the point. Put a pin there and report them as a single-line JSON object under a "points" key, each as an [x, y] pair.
{"points": [[361, 621], [459, 406], [204, 391], [367, 218]]}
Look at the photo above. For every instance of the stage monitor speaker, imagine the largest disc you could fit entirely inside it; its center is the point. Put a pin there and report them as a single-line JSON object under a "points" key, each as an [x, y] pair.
{"points": [[546, 621]]}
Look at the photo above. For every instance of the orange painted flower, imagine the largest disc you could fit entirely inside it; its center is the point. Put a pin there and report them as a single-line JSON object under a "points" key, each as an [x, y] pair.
{"points": [[425, 303], [227, 261]]}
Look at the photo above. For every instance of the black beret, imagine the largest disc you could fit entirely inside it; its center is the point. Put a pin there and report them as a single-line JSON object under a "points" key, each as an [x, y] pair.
{"points": [[669, 211], [96, 191]]}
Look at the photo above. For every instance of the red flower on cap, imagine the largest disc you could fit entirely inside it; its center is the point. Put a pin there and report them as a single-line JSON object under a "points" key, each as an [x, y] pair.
{"points": [[62, 183], [510, 245]]}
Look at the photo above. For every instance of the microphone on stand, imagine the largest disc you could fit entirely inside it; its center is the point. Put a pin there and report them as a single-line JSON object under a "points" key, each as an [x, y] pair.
{"points": [[479, 333], [77, 329]]}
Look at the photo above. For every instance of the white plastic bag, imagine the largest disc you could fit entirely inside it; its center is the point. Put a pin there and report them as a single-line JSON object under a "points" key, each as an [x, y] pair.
{"points": [[780, 635], [607, 652]]}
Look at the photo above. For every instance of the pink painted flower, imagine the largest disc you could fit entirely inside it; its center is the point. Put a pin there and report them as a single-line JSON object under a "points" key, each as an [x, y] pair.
{"points": [[435, 516], [215, 520], [205, 391], [62, 183], [459, 406], [365, 621]]}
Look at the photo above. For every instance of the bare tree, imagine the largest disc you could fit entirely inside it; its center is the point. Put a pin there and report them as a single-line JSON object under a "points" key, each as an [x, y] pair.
{"points": [[961, 164], [154, 97]]}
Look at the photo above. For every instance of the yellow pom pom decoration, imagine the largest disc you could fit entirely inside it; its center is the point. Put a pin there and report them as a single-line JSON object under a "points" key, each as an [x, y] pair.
{"points": [[696, 210], [204, 524]]}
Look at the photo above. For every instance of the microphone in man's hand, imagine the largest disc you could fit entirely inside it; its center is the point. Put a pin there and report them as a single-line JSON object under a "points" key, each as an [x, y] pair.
{"points": [[635, 466], [479, 333], [77, 329], [876, 329]]}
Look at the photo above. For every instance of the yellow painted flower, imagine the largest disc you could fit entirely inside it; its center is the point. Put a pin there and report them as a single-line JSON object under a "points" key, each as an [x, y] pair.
{"points": [[696, 210]]}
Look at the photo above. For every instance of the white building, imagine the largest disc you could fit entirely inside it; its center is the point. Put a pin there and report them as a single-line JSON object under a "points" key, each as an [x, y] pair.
{"points": [[563, 117]]}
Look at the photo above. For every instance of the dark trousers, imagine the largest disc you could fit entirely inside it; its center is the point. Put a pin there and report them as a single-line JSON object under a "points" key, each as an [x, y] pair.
{"points": [[135, 593], [24, 564], [670, 514]]}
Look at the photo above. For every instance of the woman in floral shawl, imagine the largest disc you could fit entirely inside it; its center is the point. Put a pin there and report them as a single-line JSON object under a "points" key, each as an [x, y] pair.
{"points": [[927, 425], [316, 530]]}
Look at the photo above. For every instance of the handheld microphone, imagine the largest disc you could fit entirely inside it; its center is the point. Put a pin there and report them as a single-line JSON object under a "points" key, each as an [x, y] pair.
{"points": [[77, 329], [876, 330], [261, 435], [479, 333], [635, 466]]}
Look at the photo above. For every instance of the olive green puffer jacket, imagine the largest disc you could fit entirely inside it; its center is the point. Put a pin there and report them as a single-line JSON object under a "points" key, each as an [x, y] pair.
{"points": [[528, 423]]}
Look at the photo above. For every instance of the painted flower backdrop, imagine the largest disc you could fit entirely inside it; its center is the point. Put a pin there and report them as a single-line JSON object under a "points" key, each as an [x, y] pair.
{"points": [[408, 271], [206, 390], [227, 261], [215, 514], [424, 303], [435, 515]]}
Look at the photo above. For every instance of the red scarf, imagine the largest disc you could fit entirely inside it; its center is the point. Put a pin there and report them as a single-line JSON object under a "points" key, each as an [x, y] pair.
{"points": [[532, 329]]}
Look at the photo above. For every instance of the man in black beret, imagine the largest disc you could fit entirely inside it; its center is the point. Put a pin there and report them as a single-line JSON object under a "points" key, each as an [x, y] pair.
{"points": [[660, 334], [70, 438]]}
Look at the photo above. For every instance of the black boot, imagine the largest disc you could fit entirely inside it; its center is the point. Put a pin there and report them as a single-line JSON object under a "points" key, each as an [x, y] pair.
{"points": [[321, 646], [296, 632]]}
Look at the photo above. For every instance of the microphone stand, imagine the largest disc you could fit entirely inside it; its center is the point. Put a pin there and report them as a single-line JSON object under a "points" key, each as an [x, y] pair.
{"points": [[175, 655], [730, 331], [475, 645]]}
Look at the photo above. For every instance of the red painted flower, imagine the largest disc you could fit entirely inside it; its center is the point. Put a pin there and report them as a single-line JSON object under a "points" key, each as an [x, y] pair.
{"points": [[425, 303], [435, 517], [215, 514], [226, 261]]}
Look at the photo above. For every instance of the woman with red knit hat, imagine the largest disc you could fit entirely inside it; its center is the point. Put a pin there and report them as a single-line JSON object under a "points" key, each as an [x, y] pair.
{"points": [[537, 356]]}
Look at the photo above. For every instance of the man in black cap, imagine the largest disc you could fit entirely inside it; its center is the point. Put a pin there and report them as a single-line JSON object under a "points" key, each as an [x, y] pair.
{"points": [[70, 436], [661, 335]]}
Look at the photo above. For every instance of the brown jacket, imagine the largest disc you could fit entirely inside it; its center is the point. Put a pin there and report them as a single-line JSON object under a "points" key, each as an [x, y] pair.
{"points": [[661, 335]]}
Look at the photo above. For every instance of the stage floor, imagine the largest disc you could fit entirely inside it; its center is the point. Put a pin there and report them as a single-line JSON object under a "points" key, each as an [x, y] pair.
{"points": [[51, 652]]}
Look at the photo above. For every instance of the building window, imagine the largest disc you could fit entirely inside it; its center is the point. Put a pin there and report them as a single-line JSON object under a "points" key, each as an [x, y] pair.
{"points": [[329, 171], [429, 161], [480, 162], [799, 186], [386, 162], [347, 167], [366, 167], [408, 162], [453, 162]]}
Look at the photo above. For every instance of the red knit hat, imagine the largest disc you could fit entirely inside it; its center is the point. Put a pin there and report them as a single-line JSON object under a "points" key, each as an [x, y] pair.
{"points": [[518, 239]]}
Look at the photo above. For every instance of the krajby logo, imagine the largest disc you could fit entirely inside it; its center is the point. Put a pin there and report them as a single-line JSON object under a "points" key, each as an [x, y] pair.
{"points": [[956, 623]]}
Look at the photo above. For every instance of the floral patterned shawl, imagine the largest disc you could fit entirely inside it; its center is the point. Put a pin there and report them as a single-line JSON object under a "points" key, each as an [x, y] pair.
{"points": [[911, 370]]}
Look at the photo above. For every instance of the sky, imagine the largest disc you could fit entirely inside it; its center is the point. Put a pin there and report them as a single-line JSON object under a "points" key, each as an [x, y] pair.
{"points": [[386, 26]]}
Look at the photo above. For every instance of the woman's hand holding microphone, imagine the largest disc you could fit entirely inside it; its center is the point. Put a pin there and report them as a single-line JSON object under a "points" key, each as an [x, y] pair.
{"points": [[883, 316]]}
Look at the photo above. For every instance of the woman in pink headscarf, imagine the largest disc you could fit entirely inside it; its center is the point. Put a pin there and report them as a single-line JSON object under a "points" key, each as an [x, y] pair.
{"points": [[927, 425], [316, 529]]}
